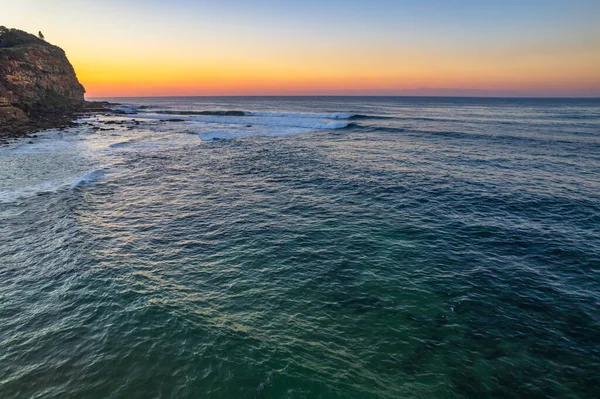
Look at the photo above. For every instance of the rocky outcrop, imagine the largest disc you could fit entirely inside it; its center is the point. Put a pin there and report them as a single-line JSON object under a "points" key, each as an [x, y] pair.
{"points": [[37, 83]]}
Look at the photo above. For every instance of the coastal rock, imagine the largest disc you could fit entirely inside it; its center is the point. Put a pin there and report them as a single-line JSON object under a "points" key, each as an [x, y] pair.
{"points": [[9, 113], [37, 81]]}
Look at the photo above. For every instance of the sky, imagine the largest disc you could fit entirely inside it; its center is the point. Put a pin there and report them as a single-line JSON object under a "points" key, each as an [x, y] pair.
{"points": [[322, 47]]}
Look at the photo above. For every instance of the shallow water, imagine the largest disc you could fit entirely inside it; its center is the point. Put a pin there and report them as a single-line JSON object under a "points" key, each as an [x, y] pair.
{"points": [[311, 247]]}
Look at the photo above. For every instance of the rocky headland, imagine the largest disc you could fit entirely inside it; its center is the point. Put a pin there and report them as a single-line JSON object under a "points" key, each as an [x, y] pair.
{"points": [[39, 88]]}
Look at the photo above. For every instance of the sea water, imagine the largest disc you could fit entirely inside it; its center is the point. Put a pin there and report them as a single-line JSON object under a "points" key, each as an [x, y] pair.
{"points": [[305, 248]]}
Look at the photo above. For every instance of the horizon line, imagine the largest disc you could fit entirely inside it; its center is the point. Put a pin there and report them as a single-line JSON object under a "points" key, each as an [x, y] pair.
{"points": [[354, 95]]}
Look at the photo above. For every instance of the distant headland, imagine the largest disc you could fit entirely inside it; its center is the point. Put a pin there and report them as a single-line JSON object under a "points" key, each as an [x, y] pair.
{"points": [[39, 88]]}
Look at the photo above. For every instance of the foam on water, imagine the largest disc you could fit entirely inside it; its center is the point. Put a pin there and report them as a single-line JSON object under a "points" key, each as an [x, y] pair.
{"points": [[7, 196], [50, 186]]}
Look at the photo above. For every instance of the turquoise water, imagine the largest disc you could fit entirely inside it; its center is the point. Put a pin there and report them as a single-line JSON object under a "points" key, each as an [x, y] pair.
{"points": [[305, 248]]}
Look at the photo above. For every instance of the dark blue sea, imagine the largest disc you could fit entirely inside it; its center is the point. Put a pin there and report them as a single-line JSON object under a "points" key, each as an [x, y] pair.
{"points": [[335, 247]]}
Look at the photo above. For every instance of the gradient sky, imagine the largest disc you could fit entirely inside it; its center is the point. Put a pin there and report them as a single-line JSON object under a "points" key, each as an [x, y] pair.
{"points": [[262, 47]]}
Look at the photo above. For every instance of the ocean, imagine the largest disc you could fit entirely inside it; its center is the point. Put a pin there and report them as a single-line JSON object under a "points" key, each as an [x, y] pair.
{"points": [[305, 247]]}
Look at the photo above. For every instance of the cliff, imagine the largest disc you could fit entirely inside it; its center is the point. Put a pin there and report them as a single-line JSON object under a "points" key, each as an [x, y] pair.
{"points": [[38, 85]]}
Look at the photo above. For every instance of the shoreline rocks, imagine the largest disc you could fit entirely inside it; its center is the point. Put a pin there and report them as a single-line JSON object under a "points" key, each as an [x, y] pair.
{"points": [[17, 128]]}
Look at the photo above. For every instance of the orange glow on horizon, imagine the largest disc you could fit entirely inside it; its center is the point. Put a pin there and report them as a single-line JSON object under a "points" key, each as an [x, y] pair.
{"points": [[232, 47], [128, 80], [380, 71]]}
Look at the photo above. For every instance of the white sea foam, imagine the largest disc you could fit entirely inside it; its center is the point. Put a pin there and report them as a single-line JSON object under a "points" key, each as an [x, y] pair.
{"points": [[19, 192], [59, 160], [9, 195]]}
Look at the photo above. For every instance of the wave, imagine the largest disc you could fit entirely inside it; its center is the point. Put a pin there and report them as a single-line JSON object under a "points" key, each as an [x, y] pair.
{"points": [[384, 129], [224, 124], [51, 186], [360, 116], [122, 144], [332, 115], [268, 114], [208, 113], [127, 109], [249, 121], [329, 115], [306, 120], [88, 178]]}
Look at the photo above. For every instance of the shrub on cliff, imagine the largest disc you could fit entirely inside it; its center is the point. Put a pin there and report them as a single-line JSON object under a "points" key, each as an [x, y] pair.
{"points": [[15, 37]]}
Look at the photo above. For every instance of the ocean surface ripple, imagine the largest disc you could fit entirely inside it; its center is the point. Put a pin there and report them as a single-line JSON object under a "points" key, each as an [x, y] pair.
{"points": [[305, 248]]}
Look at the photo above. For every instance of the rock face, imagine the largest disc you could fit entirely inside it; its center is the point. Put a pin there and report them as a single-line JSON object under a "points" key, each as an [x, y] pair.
{"points": [[36, 80]]}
